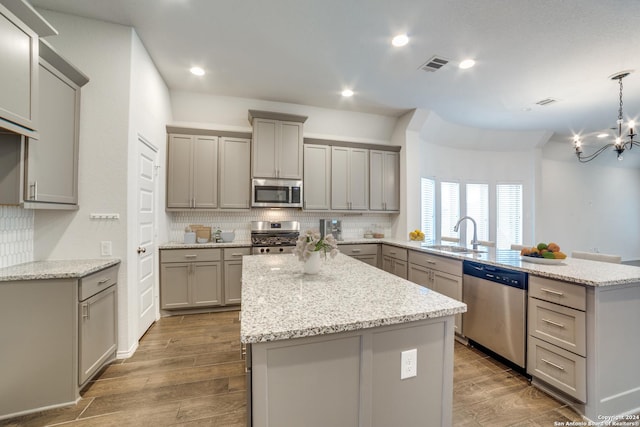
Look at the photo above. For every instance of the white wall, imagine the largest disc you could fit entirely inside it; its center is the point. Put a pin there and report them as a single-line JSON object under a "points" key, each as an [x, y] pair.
{"points": [[228, 113], [149, 112], [589, 207]]}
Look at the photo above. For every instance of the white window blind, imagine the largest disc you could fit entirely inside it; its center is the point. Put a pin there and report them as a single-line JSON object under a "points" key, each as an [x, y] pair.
{"points": [[428, 203], [509, 227], [478, 208], [449, 208]]}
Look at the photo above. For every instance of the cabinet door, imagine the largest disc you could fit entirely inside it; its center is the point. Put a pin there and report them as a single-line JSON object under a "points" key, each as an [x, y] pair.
{"points": [[359, 179], [52, 160], [235, 174], [174, 285], [451, 286], [206, 284], [376, 180], [18, 73], [339, 178], [289, 163], [232, 282], [179, 176], [391, 181], [387, 264], [264, 150], [368, 259], [400, 268], [420, 275], [205, 172], [97, 332], [317, 177]]}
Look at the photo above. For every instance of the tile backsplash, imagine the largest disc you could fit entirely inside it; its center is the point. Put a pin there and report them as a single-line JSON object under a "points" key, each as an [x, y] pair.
{"points": [[16, 235], [353, 225]]}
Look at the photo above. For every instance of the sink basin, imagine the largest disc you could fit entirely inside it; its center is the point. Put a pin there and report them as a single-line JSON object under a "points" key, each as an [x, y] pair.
{"points": [[454, 249]]}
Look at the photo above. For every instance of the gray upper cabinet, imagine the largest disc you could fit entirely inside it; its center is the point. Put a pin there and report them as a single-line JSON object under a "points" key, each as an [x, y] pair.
{"points": [[18, 75], [235, 176], [384, 180], [51, 174], [317, 177], [276, 150], [349, 178], [192, 172]]}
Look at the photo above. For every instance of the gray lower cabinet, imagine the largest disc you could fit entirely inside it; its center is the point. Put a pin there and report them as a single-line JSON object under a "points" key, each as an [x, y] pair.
{"points": [[367, 252], [202, 277], [97, 322], [394, 260], [51, 173], [441, 274], [233, 274]]}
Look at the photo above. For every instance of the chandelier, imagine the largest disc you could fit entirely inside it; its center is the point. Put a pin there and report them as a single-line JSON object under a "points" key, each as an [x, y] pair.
{"points": [[622, 142]]}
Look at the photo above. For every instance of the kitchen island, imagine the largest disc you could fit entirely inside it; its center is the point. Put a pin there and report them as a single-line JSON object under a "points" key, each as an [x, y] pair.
{"points": [[326, 349]]}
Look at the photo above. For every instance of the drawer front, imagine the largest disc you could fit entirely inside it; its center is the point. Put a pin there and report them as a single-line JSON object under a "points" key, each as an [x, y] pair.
{"points": [[354, 250], [434, 262], [564, 370], [235, 253], [394, 252], [190, 255], [563, 293], [97, 282], [559, 325]]}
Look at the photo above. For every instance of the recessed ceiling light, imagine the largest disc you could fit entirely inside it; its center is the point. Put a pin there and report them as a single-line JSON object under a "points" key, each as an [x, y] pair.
{"points": [[400, 40], [467, 63], [197, 71], [347, 93], [603, 135]]}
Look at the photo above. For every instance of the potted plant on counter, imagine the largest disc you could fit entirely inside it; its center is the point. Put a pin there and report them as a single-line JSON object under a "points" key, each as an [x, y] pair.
{"points": [[310, 247]]}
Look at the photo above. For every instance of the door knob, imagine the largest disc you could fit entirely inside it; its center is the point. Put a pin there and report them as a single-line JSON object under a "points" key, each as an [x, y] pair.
{"points": [[141, 250]]}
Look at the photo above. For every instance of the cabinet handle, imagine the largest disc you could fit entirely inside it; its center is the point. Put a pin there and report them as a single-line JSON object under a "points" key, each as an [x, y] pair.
{"points": [[191, 256], [85, 311], [550, 291], [430, 262], [103, 281], [551, 322], [34, 190], [392, 252], [553, 364], [355, 251], [236, 254]]}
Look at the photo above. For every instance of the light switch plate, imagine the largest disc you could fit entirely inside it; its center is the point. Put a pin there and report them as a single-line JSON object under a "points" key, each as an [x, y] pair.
{"points": [[105, 248], [409, 363]]}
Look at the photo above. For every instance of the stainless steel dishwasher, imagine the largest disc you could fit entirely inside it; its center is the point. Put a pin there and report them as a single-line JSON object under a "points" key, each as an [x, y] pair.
{"points": [[496, 314]]}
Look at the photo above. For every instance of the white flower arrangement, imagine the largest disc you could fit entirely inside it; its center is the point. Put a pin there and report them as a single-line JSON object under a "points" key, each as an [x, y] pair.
{"points": [[311, 241]]}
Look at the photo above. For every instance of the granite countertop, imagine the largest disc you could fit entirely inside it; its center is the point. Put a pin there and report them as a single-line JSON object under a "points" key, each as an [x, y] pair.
{"points": [[280, 302], [63, 269], [180, 245]]}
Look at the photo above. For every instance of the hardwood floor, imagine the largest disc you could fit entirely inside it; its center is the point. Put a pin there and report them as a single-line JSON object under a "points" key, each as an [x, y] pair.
{"points": [[188, 371]]}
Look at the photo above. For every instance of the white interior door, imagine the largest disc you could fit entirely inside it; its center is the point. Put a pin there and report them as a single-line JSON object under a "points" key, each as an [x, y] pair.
{"points": [[146, 235]]}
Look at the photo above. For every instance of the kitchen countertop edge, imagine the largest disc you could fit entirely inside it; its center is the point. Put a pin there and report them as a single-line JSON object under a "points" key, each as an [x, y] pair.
{"points": [[55, 269]]}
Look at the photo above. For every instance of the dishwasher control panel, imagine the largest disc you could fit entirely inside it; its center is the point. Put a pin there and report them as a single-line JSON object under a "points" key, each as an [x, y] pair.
{"points": [[513, 278]]}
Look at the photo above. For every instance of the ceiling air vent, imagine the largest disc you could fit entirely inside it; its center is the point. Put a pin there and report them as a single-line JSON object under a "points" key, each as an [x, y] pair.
{"points": [[546, 101], [434, 64]]}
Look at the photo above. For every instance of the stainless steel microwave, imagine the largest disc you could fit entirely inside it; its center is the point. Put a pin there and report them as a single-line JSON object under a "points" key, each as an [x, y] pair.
{"points": [[276, 193]]}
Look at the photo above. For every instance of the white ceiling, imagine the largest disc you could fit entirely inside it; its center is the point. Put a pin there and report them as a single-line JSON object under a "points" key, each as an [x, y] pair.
{"points": [[307, 51]]}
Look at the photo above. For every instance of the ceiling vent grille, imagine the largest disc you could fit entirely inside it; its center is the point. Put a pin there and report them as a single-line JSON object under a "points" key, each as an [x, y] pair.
{"points": [[546, 101], [434, 64]]}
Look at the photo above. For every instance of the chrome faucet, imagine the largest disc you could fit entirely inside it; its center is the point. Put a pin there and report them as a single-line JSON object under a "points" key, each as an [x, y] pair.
{"points": [[474, 241]]}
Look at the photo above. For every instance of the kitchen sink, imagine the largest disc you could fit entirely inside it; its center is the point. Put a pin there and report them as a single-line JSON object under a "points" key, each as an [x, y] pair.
{"points": [[453, 249]]}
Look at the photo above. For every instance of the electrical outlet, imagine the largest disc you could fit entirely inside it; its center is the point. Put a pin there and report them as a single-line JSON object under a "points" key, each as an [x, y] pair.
{"points": [[409, 364], [105, 248]]}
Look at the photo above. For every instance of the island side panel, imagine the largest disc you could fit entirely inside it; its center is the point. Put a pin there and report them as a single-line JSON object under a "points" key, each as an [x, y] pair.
{"points": [[353, 378]]}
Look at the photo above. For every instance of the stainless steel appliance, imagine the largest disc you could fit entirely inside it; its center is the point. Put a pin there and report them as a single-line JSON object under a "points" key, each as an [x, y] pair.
{"points": [[331, 226], [496, 310], [276, 193], [269, 237]]}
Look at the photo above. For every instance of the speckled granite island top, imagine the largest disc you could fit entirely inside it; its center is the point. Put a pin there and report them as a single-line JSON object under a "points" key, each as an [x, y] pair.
{"points": [[280, 302], [63, 269]]}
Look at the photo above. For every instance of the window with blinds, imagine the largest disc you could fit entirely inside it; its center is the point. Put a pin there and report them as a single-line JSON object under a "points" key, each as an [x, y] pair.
{"points": [[509, 212], [428, 203], [449, 208], [478, 208]]}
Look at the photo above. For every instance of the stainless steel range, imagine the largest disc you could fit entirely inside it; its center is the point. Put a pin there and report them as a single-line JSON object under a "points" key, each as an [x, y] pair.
{"points": [[269, 237]]}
